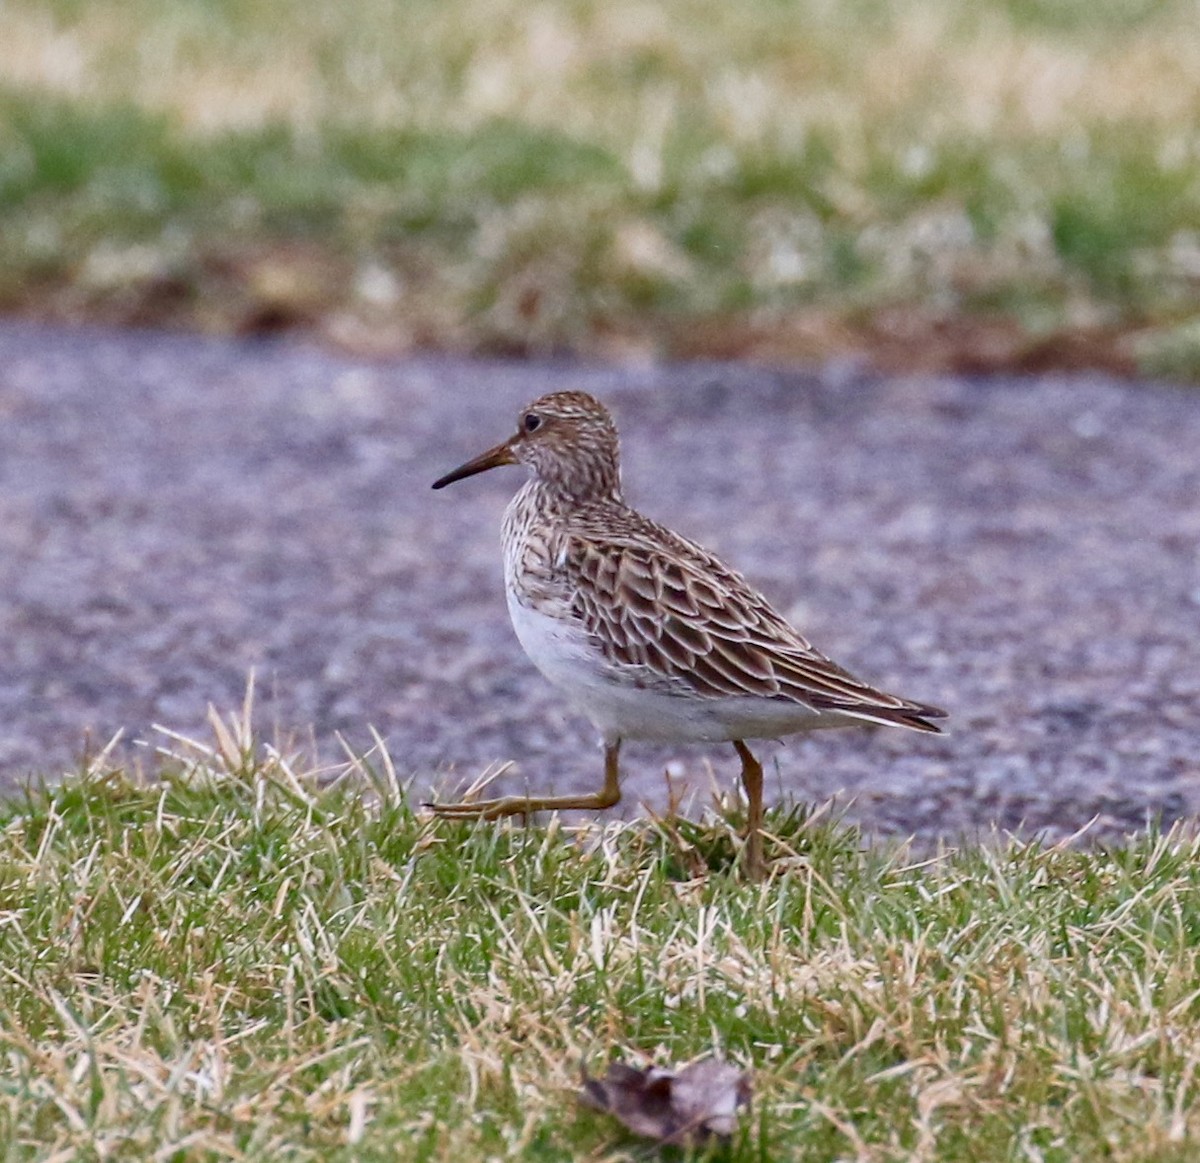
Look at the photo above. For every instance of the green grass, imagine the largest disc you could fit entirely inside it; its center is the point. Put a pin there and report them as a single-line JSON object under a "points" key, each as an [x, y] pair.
{"points": [[686, 178], [236, 958]]}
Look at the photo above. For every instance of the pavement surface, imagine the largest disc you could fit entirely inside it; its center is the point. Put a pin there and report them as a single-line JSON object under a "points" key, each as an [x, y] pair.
{"points": [[177, 511]]}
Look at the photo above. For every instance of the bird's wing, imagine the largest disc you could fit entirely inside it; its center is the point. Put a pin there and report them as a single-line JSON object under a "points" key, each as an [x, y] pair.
{"points": [[668, 608]]}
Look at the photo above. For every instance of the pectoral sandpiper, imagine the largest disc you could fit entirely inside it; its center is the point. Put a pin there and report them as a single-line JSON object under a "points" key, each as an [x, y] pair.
{"points": [[648, 634]]}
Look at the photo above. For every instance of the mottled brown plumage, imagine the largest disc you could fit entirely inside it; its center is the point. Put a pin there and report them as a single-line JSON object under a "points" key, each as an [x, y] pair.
{"points": [[650, 634]]}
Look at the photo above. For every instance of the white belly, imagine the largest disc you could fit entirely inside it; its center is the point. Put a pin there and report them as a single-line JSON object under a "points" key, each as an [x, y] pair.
{"points": [[620, 709]]}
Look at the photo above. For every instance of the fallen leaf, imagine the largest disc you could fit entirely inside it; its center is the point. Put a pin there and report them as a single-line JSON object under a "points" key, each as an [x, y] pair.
{"points": [[684, 1108]]}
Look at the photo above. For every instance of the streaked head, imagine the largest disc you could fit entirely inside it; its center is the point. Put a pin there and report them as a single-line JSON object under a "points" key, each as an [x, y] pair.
{"points": [[567, 438]]}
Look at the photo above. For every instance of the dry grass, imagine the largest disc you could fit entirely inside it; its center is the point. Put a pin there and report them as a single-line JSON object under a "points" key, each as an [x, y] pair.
{"points": [[244, 958], [1012, 183], [765, 73]]}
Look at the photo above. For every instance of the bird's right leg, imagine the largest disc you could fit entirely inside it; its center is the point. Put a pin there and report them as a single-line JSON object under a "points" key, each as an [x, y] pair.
{"points": [[752, 781]]}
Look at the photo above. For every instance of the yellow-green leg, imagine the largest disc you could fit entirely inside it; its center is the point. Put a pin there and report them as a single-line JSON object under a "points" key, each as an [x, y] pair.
{"points": [[752, 781], [523, 805]]}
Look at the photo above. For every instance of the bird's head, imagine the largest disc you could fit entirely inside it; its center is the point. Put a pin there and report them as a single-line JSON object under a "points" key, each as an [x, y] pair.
{"points": [[568, 439]]}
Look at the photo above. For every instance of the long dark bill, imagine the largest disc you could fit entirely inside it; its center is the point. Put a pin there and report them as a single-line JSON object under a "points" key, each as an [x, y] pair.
{"points": [[493, 458]]}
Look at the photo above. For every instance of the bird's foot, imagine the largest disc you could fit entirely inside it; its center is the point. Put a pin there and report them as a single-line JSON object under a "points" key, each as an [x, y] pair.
{"points": [[520, 806]]}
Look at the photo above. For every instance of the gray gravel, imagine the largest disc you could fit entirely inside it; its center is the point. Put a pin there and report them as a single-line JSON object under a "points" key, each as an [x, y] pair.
{"points": [[175, 511]]}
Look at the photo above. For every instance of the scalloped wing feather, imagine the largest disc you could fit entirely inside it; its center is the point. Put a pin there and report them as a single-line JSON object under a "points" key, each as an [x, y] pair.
{"points": [[652, 600]]}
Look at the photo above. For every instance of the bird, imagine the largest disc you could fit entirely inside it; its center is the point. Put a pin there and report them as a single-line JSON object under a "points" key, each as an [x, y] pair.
{"points": [[650, 635]]}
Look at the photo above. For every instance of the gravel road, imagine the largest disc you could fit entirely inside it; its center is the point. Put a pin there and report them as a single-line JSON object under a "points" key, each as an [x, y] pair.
{"points": [[175, 511]]}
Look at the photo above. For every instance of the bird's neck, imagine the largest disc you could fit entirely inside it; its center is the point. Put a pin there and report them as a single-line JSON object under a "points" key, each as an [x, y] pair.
{"points": [[569, 494]]}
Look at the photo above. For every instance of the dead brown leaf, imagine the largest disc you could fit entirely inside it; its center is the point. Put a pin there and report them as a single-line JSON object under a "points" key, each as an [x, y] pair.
{"points": [[690, 1107]]}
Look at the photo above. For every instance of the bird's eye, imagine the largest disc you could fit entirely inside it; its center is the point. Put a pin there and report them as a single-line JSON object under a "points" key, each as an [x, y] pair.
{"points": [[532, 422]]}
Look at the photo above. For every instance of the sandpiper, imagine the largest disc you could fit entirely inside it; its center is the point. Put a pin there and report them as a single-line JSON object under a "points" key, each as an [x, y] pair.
{"points": [[648, 634]]}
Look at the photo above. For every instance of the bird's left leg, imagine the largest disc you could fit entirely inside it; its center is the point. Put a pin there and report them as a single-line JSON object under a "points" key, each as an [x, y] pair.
{"points": [[523, 805]]}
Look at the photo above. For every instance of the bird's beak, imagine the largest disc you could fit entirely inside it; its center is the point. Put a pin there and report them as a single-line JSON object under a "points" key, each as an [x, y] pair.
{"points": [[493, 458]]}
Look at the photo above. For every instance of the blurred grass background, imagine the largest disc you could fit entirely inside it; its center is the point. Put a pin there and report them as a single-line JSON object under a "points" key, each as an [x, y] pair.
{"points": [[1011, 183]]}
